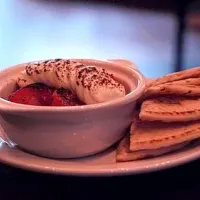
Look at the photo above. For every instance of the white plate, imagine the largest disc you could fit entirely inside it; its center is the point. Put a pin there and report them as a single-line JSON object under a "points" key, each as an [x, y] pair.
{"points": [[103, 164], [100, 165]]}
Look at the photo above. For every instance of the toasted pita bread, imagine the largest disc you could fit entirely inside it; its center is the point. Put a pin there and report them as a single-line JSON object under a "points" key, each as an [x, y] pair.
{"points": [[188, 81], [185, 74], [124, 154], [155, 135], [149, 81], [170, 109], [171, 89]]}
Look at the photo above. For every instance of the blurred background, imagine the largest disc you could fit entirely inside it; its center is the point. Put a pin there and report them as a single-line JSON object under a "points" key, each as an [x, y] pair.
{"points": [[158, 37]]}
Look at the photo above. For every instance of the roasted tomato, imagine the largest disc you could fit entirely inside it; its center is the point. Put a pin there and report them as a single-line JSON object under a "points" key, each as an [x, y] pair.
{"points": [[65, 97], [42, 95], [34, 94]]}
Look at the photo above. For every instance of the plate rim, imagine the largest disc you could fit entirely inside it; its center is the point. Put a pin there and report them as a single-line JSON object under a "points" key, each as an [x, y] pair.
{"points": [[119, 170], [97, 170]]}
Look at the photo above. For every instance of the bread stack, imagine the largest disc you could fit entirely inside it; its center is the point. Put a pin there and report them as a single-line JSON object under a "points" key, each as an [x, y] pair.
{"points": [[168, 118]]}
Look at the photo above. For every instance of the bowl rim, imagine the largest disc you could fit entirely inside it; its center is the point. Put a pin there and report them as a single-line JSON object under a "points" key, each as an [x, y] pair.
{"points": [[11, 107]]}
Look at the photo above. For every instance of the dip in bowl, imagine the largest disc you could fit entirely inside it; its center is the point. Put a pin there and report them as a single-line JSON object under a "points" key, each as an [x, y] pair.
{"points": [[70, 131]]}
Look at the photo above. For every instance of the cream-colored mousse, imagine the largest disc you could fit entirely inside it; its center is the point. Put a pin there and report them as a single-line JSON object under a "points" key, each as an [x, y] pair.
{"points": [[90, 83]]}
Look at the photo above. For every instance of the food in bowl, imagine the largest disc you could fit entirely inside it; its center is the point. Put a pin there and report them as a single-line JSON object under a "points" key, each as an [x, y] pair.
{"points": [[63, 82], [68, 131], [42, 95], [97, 113]]}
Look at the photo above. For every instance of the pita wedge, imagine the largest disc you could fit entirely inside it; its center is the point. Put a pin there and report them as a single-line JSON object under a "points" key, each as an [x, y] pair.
{"points": [[172, 89], [185, 74], [170, 109], [124, 154], [155, 135], [149, 81], [188, 81]]}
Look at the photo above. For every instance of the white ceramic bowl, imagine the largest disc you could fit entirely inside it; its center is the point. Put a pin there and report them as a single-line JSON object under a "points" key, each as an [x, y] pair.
{"points": [[70, 132]]}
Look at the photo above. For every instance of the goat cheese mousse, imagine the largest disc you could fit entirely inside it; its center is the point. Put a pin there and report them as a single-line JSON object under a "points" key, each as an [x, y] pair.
{"points": [[61, 82]]}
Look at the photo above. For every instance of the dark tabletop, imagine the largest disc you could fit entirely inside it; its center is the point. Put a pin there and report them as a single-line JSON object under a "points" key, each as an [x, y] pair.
{"points": [[176, 183]]}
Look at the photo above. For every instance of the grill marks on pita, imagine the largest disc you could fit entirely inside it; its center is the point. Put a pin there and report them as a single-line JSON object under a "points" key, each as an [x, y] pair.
{"points": [[173, 97], [168, 119], [170, 109], [124, 153], [177, 76], [155, 135]]}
